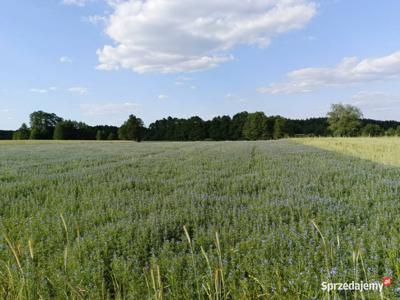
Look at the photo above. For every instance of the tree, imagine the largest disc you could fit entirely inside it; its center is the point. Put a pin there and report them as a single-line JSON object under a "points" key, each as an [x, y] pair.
{"points": [[255, 127], [86, 132], [219, 128], [102, 132], [112, 136], [72, 130], [372, 130], [66, 130], [344, 120], [23, 133], [237, 124], [196, 129], [391, 132], [398, 130], [132, 129], [101, 135], [6, 134], [43, 125], [279, 128]]}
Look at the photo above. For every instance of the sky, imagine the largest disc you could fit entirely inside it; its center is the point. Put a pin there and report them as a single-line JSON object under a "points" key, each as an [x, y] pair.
{"points": [[99, 61]]}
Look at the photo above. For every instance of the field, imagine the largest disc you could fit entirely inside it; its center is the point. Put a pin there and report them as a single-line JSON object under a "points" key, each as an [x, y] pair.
{"points": [[223, 220]]}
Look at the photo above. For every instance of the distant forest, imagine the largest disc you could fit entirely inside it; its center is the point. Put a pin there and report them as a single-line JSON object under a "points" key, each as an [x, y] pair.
{"points": [[242, 126]]}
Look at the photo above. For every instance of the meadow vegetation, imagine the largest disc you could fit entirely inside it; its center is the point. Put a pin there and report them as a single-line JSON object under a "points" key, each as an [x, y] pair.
{"points": [[384, 150], [198, 220]]}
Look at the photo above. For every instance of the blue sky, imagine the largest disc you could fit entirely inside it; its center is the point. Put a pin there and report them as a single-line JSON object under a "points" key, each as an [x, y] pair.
{"points": [[100, 60]]}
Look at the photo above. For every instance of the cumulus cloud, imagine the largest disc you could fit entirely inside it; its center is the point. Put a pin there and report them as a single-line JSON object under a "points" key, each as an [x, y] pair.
{"points": [[75, 2], [109, 108], [78, 90], [162, 97], [350, 71], [96, 19], [39, 91], [168, 36], [43, 91], [375, 100], [65, 60]]}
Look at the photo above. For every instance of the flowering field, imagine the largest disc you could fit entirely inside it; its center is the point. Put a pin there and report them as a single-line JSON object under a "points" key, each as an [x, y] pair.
{"points": [[226, 220]]}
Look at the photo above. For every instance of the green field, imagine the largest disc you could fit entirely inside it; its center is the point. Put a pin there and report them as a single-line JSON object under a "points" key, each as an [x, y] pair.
{"points": [[205, 220]]}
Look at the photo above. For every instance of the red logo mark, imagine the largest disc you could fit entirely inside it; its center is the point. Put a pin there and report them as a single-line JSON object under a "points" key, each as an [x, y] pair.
{"points": [[387, 281]]}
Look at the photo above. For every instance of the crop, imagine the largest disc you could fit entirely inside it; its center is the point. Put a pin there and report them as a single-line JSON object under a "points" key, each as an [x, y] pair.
{"points": [[382, 150], [198, 220]]}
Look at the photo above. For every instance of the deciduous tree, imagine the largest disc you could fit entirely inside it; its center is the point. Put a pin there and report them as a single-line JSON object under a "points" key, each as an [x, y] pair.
{"points": [[344, 120]]}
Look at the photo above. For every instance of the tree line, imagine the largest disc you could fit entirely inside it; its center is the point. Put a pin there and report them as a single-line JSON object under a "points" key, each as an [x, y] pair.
{"points": [[342, 120]]}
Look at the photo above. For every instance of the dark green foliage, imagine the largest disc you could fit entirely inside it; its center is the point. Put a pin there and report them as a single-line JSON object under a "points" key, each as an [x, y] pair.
{"points": [[344, 120], [105, 132], [307, 127], [237, 124], [101, 135], [385, 125], [112, 136], [174, 129], [196, 129], [69, 130], [256, 127], [372, 130], [43, 125], [73, 130], [23, 133], [219, 128], [6, 134], [132, 129], [279, 128], [390, 132]]}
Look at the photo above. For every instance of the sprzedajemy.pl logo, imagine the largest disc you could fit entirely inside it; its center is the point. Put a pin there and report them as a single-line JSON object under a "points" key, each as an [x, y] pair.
{"points": [[356, 286]]}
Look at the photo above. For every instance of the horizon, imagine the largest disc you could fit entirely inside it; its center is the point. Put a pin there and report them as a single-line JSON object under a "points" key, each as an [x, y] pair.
{"points": [[210, 119], [98, 61]]}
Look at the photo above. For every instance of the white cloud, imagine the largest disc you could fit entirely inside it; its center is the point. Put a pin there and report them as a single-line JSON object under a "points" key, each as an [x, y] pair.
{"points": [[39, 91], [350, 71], [168, 36], [114, 2], [43, 91], [96, 19], [65, 60], [375, 100], [162, 97], [79, 90], [75, 2], [109, 108]]}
